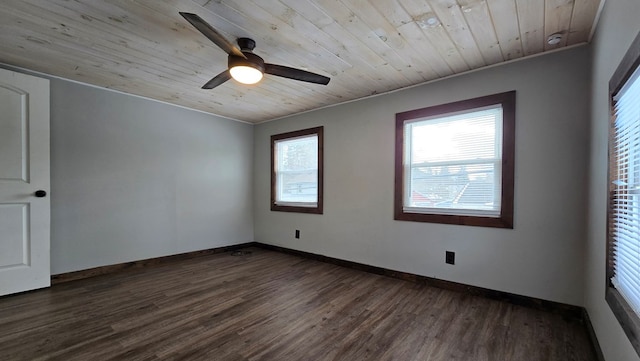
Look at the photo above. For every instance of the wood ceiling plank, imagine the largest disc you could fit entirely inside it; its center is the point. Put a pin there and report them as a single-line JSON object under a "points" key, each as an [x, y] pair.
{"points": [[454, 22], [133, 27], [278, 35], [410, 21], [63, 29], [432, 43], [351, 50], [476, 12], [349, 47], [277, 12], [349, 21], [261, 95], [531, 20], [505, 21], [380, 71], [291, 92], [200, 2], [584, 11], [310, 11], [557, 19], [226, 27], [345, 45]]}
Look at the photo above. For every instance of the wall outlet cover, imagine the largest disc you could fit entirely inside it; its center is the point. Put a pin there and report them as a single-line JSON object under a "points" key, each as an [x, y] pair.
{"points": [[450, 257]]}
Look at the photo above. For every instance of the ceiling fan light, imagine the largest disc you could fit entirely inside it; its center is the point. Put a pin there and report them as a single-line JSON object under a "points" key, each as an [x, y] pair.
{"points": [[246, 74]]}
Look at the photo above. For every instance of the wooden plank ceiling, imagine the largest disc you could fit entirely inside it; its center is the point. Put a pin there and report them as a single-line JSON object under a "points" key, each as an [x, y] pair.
{"points": [[145, 47]]}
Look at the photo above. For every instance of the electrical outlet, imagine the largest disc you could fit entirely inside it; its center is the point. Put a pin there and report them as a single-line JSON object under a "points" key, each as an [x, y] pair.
{"points": [[297, 233], [450, 257]]}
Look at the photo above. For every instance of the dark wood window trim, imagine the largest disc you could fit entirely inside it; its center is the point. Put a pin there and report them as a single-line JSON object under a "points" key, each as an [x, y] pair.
{"points": [[628, 319], [319, 131], [505, 220]]}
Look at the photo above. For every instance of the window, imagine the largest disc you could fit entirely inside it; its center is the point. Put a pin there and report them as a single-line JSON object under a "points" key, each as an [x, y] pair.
{"points": [[296, 171], [455, 162], [623, 233]]}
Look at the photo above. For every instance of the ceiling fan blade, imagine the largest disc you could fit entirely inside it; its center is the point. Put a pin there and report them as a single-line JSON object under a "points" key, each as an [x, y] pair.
{"points": [[217, 80], [297, 74], [211, 33]]}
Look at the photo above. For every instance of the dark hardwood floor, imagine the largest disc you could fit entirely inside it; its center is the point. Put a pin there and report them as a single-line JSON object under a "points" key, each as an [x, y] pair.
{"points": [[274, 306]]}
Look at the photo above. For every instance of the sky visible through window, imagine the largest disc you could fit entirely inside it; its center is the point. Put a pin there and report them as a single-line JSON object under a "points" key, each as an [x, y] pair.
{"points": [[455, 137]]}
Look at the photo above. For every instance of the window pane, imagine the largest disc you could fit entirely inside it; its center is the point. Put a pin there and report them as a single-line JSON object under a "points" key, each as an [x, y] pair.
{"points": [[297, 170], [462, 186], [298, 187], [454, 162], [457, 137]]}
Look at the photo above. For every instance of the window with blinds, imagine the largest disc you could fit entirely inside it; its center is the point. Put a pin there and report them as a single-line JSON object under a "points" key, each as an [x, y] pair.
{"points": [[451, 165], [623, 226], [296, 171], [624, 221]]}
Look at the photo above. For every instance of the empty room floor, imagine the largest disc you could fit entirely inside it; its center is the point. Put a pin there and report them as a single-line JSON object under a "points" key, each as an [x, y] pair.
{"points": [[269, 305]]}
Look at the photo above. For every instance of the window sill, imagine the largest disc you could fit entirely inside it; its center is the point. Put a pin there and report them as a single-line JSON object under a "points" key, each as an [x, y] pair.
{"points": [[296, 209], [626, 317], [496, 222]]}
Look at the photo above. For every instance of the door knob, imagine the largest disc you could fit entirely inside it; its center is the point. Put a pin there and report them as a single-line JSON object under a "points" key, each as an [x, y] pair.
{"points": [[41, 193]]}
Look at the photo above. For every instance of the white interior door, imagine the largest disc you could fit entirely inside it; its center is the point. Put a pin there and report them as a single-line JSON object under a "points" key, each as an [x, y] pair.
{"points": [[24, 170]]}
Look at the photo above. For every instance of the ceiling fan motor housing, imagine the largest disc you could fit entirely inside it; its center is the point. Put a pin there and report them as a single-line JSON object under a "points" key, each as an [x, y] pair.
{"points": [[252, 60], [246, 44]]}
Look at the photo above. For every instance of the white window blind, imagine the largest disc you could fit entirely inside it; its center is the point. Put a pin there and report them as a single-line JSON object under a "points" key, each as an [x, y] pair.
{"points": [[453, 163], [296, 169], [625, 178]]}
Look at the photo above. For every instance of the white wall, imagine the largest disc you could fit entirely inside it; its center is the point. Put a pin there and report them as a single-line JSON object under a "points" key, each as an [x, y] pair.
{"points": [[133, 179], [616, 30], [541, 257]]}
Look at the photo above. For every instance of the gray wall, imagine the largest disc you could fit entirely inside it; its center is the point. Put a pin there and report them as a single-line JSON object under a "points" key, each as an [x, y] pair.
{"points": [[133, 179], [541, 257], [617, 28]]}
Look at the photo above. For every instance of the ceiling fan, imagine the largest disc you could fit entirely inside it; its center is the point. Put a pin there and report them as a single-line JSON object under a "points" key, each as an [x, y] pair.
{"points": [[243, 65]]}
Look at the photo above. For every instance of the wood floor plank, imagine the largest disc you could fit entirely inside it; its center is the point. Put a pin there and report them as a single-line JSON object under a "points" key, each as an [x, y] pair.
{"points": [[273, 306]]}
